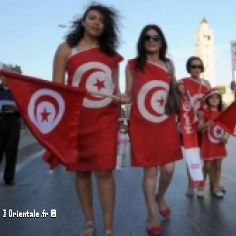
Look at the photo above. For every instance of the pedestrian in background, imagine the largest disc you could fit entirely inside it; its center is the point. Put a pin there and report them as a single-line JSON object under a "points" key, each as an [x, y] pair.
{"points": [[9, 131], [195, 88]]}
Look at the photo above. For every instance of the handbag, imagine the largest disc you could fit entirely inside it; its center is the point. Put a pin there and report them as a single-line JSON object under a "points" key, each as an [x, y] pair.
{"points": [[173, 98]]}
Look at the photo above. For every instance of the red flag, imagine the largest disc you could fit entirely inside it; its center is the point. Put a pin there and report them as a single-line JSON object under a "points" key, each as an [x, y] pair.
{"points": [[51, 111], [227, 119]]}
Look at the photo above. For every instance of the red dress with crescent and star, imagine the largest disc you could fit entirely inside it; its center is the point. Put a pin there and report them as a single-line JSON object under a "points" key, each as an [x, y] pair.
{"points": [[153, 134], [212, 146], [93, 70]]}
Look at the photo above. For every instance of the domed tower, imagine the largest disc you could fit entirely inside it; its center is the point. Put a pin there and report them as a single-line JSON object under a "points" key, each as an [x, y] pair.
{"points": [[205, 49]]}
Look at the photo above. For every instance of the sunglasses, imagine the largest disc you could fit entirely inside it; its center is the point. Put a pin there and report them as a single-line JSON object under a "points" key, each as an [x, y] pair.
{"points": [[154, 38], [196, 66]]}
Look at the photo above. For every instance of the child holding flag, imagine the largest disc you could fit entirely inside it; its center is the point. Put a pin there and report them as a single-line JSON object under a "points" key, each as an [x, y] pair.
{"points": [[213, 141]]}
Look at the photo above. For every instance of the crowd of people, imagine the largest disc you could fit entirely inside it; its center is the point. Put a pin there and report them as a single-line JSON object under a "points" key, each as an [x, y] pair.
{"points": [[88, 58]]}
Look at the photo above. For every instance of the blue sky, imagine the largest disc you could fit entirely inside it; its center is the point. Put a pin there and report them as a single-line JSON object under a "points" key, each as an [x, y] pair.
{"points": [[30, 32]]}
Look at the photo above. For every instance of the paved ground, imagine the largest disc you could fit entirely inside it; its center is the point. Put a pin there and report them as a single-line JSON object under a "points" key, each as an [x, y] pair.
{"points": [[37, 189]]}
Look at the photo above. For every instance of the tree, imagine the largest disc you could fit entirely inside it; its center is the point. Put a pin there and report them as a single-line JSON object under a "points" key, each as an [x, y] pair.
{"points": [[222, 89], [11, 67]]}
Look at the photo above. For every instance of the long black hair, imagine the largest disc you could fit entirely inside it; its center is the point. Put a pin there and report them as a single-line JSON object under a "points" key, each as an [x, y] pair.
{"points": [[108, 41], [220, 107], [142, 54]]}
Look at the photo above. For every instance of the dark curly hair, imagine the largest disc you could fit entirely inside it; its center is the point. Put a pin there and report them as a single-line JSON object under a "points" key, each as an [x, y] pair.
{"points": [[142, 57], [108, 41]]}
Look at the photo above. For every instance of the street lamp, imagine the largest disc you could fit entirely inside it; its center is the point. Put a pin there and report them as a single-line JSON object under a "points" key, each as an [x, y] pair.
{"points": [[62, 26]]}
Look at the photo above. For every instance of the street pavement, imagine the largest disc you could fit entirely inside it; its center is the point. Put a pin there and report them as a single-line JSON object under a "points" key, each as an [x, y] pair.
{"points": [[39, 193]]}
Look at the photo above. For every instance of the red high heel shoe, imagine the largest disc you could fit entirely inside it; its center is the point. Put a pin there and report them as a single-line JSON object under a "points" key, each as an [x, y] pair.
{"points": [[153, 230], [165, 213]]}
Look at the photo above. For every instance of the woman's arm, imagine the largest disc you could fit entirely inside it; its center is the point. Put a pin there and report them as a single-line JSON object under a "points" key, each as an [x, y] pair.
{"points": [[127, 97], [116, 80], [59, 63], [181, 89]]}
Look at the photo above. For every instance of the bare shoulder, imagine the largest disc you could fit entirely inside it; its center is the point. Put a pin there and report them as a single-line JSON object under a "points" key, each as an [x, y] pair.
{"points": [[63, 49], [206, 83]]}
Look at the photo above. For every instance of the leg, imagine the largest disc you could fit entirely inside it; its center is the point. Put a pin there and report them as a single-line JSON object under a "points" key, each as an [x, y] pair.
{"points": [[218, 191], [166, 174], [149, 188], [85, 194], [190, 188], [106, 188], [2, 137], [12, 141], [217, 173], [206, 171]]}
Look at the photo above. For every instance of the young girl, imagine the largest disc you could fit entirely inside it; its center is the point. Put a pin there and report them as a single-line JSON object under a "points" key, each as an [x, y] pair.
{"points": [[213, 141]]}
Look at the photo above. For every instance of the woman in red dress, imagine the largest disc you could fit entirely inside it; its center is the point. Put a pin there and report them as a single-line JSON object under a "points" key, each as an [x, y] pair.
{"points": [[195, 88], [153, 133], [89, 58]]}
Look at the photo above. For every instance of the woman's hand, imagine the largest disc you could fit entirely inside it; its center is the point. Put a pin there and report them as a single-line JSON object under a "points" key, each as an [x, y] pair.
{"points": [[181, 89], [125, 98]]}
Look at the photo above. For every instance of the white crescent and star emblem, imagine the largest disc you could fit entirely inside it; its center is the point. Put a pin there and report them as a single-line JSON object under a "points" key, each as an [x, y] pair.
{"points": [[195, 101], [215, 133], [152, 99], [98, 79], [45, 110]]}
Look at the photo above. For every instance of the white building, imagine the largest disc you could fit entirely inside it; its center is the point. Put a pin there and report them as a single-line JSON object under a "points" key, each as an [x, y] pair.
{"points": [[205, 49], [204, 46]]}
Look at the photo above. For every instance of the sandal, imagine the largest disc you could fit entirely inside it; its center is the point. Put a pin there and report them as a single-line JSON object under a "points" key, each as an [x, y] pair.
{"points": [[190, 191], [200, 192], [88, 229], [218, 193], [108, 232], [165, 213]]}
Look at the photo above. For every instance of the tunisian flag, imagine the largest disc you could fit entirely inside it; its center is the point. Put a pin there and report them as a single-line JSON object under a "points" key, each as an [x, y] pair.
{"points": [[51, 111], [227, 119]]}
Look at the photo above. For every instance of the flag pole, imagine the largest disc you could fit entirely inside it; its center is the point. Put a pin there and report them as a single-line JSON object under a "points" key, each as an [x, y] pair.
{"points": [[233, 55], [104, 95]]}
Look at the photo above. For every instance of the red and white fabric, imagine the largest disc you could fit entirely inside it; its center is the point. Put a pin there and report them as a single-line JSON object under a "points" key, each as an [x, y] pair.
{"points": [[153, 134], [51, 111], [92, 70], [190, 104], [212, 146], [227, 119]]}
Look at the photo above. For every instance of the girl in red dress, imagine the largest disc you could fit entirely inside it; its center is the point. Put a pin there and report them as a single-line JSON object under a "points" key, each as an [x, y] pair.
{"points": [[213, 140], [89, 58], [154, 139]]}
